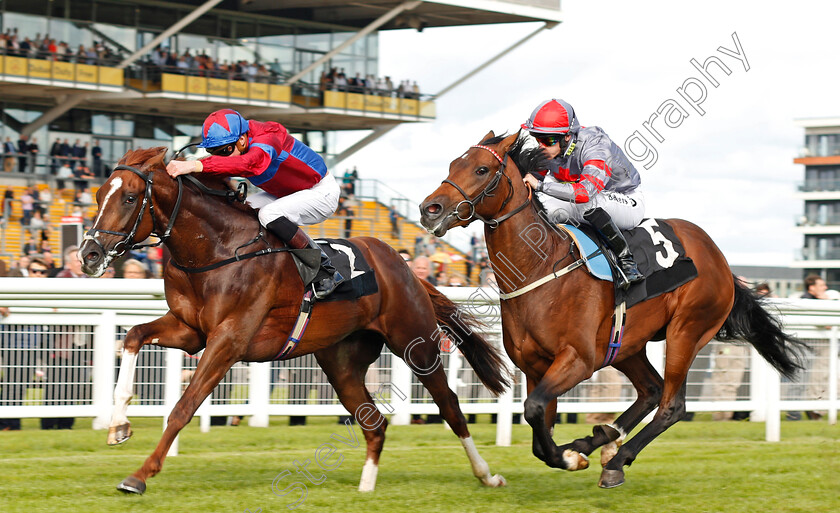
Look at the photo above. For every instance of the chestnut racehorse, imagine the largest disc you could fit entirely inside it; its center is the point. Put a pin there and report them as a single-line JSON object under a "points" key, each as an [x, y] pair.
{"points": [[558, 332], [245, 310]]}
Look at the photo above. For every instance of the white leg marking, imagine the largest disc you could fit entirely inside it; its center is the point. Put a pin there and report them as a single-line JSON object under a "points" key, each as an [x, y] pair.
{"points": [[369, 471], [575, 460], [481, 469], [609, 450], [124, 388]]}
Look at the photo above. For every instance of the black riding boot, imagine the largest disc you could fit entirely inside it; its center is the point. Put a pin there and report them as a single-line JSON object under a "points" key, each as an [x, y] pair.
{"points": [[599, 219], [296, 238]]}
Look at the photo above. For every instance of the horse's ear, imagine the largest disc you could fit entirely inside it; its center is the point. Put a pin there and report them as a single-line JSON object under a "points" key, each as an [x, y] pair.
{"points": [[489, 135], [507, 142]]}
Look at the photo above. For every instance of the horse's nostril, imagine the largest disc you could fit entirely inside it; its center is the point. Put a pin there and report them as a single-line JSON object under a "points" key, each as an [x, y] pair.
{"points": [[433, 209]]}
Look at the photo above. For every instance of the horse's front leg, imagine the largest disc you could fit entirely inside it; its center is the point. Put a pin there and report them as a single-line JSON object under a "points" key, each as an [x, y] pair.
{"points": [[550, 419], [225, 346], [168, 331], [565, 372]]}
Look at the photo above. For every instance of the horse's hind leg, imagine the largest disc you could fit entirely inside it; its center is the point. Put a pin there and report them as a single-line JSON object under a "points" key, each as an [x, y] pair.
{"points": [[345, 365], [648, 386], [166, 331], [423, 357], [684, 340]]}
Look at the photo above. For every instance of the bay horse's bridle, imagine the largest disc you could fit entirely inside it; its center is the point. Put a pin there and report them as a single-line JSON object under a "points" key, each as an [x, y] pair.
{"points": [[128, 237], [493, 223]]}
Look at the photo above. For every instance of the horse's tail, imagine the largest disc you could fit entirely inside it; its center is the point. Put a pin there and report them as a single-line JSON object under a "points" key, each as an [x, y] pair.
{"points": [[749, 321], [485, 359]]}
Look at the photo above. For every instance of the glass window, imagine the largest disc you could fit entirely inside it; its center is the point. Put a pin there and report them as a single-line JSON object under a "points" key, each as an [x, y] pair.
{"points": [[197, 45], [279, 59], [26, 26], [101, 124], [189, 130], [66, 31], [318, 42], [123, 125], [124, 36], [315, 140]]}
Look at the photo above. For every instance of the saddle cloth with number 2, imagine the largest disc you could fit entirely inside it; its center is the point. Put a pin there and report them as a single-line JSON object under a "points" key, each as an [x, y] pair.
{"points": [[658, 252]]}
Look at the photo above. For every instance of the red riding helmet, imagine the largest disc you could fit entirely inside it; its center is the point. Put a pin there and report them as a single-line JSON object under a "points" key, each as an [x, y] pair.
{"points": [[552, 117]]}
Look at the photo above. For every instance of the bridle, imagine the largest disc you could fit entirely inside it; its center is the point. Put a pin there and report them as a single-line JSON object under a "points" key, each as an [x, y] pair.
{"points": [[127, 243], [488, 190]]}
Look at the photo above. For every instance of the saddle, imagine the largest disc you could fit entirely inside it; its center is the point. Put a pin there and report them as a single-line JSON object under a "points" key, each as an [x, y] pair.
{"points": [[347, 259], [658, 252]]}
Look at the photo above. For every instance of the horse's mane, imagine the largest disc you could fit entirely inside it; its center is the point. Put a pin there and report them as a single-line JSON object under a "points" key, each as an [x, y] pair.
{"points": [[153, 158], [527, 160]]}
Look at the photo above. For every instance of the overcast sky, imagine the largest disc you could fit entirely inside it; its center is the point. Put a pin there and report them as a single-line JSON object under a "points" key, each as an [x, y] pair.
{"points": [[729, 170]]}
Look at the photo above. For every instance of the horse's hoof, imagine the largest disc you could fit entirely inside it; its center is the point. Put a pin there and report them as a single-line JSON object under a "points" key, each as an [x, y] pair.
{"points": [[497, 481], [119, 434], [609, 451], [611, 478], [575, 460], [132, 484]]}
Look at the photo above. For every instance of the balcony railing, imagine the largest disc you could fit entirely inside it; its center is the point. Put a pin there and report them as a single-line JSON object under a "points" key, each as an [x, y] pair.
{"points": [[818, 254], [818, 220], [820, 185]]}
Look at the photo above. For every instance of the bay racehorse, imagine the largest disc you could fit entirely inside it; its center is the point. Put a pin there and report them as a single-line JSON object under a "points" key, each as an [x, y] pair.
{"points": [[245, 310], [558, 332]]}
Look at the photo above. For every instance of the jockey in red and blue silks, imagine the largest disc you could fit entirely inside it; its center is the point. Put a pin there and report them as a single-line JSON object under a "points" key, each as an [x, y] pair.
{"points": [[296, 187], [589, 180]]}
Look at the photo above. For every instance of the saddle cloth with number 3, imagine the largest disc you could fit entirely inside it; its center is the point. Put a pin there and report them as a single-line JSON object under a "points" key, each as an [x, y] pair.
{"points": [[658, 252]]}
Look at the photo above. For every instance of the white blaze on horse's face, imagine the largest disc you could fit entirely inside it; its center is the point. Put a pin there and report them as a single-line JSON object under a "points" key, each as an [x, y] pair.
{"points": [[116, 183]]}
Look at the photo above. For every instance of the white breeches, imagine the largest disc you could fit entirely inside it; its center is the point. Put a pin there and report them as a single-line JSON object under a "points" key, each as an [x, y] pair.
{"points": [[626, 210], [310, 206]]}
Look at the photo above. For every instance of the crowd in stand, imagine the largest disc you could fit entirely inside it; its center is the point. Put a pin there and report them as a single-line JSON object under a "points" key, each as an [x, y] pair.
{"points": [[201, 64], [337, 80], [47, 48]]}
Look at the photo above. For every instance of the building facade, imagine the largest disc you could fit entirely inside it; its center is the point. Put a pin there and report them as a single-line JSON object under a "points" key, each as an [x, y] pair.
{"points": [[820, 193]]}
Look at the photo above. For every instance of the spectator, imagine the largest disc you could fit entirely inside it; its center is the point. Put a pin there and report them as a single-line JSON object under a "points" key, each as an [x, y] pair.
{"points": [[9, 158], [21, 270], [405, 255], [30, 247], [96, 153], [44, 201], [19, 355], [135, 269], [394, 216], [22, 151], [348, 183], [27, 205], [72, 264], [421, 266], [6, 208], [32, 154], [345, 211]]}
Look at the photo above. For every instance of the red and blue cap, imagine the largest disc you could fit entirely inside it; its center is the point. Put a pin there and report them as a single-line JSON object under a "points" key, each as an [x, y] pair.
{"points": [[223, 127], [552, 117]]}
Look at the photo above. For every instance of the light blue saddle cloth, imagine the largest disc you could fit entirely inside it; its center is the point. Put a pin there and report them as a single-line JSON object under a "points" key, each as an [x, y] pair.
{"points": [[598, 266]]}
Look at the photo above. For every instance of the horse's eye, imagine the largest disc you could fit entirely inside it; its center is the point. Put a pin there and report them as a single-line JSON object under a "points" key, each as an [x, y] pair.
{"points": [[483, 170], [130, 200]]}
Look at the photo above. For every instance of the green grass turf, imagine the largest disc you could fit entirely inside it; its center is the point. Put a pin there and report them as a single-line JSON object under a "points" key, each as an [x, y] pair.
{"points": [[696, 466]]}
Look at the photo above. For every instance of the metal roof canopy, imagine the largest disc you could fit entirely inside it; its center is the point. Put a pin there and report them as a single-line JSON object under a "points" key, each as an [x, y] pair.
{"points": [[436, 13]]}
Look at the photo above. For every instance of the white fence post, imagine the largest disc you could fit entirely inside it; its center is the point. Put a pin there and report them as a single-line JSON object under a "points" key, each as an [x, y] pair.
{"points": [[504, 419], [758, 386], [259, 390], [172, 390], [103, 368], [773, 396], [401, 378], [833, 378]]}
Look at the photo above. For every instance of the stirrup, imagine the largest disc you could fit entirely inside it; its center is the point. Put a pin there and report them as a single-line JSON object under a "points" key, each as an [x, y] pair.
{"points": [[327, 286]]}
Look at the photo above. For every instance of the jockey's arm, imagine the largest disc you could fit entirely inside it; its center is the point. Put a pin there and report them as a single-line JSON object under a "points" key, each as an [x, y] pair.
{"points": [[251, 163], [594, 175]]}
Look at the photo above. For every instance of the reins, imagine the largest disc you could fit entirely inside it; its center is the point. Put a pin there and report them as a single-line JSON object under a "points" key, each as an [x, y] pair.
{"points": [[128, 244]]}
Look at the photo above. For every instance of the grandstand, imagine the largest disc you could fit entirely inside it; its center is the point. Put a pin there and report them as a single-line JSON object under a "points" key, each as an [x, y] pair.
{"points": [[120, 74]]}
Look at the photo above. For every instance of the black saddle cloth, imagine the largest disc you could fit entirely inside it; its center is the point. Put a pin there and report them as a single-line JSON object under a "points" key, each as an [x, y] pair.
{"points": [[359, 276], [659, 255]]}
